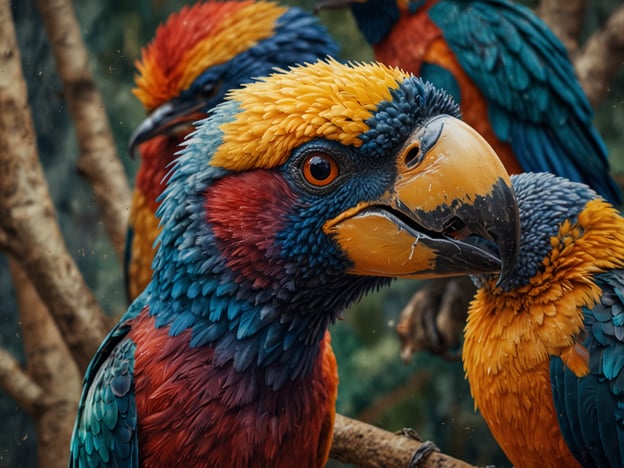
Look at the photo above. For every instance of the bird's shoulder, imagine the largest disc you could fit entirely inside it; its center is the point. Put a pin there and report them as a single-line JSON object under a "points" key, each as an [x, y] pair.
{"points": [[105, 432]]}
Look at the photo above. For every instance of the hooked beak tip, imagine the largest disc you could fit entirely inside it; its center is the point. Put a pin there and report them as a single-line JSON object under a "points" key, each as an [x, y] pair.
{"points": [[133, 142]]}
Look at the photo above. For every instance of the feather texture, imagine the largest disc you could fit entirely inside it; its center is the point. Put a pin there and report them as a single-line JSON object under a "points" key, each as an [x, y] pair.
{"points": [[512, 77], [557, 307], [225, 359], [196, 57]]}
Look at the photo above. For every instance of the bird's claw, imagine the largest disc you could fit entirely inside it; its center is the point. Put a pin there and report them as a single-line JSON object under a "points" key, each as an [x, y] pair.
{"points": [[409, 433], [422, 453], [434, 318]]}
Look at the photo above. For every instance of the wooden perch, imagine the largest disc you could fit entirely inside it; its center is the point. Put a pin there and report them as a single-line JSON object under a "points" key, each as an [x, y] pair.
{"points": [[368, 446], [98, 160], [29, 229]]}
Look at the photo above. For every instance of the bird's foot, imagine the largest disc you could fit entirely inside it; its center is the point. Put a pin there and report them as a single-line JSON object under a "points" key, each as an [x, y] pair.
{"points": [[422, 452], [434, 318]]}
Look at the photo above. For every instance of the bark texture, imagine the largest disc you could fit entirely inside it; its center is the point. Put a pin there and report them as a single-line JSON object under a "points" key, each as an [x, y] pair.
{"points": [[370, 447], [98, 160], [601, 58], [29, 229], [51, 367], [565, 18]]}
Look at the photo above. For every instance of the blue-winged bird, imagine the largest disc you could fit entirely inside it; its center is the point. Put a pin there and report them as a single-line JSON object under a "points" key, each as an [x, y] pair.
{"points": [[299, 194], [196, 56]]}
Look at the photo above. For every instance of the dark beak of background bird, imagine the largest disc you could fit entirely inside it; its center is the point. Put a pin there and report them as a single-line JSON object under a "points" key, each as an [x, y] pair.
{"points": [[451, 211], [334, 4], [168, 118]]}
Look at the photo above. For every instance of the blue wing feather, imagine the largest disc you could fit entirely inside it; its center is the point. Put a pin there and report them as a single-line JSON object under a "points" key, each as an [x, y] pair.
{"points": [[525, 74], [105, 430], [591, 408]]}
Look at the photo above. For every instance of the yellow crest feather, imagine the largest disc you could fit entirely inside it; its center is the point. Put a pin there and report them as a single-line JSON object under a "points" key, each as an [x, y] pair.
{"points": [[197, 38], [233, 35], [324, 100]]}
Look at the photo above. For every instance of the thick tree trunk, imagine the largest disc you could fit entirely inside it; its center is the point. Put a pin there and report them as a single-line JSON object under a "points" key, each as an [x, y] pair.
{"points": [[602, 57], [565, 18], [29, 229]]}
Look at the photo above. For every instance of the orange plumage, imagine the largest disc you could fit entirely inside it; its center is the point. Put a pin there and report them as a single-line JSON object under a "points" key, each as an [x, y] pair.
{"points": [[511, 336]]}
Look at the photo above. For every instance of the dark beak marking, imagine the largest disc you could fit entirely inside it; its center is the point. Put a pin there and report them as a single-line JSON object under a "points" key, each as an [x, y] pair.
{"points": [[455, 228]]}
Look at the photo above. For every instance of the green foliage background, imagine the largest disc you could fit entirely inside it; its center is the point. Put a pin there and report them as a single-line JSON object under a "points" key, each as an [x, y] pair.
{"points": [[429, 395]]}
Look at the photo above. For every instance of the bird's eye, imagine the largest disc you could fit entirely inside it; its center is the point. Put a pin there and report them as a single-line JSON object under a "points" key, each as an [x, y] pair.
{"points": [[320, 169], [208, 90]]}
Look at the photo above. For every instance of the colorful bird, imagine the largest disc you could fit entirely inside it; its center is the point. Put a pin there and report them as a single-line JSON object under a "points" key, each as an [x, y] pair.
{"points": [[300, 193], [198, 55], [544, 345], [511, 75]]}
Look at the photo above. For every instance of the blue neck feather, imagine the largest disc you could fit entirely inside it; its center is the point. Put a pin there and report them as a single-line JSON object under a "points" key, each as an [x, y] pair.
{"points": [[545, 202]]}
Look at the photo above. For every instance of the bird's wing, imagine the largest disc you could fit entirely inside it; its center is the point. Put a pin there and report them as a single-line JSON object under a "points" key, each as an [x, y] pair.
{"points": [[105, 431], [591, 408], [534, 100]]}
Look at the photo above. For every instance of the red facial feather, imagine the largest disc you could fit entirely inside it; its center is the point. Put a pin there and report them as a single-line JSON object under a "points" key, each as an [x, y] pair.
{"points": [[156, 156], [191, 413], [246, 211]]}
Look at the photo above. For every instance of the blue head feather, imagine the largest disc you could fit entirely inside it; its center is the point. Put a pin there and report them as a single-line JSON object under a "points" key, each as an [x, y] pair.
{"points": [[412, 104], [545, 202], [298, 38]]}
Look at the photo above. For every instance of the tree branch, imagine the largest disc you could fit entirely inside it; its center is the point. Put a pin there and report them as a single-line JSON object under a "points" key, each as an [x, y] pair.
{"points": [[367, 446], [601, 57], [18, 384], [98, 160], [28, 224], [52, 368], [565, 19]]}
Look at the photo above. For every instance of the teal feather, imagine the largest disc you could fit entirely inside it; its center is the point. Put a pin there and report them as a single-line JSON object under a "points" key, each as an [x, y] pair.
{"points": [[594, 430], [524, 73], [442, 77]]}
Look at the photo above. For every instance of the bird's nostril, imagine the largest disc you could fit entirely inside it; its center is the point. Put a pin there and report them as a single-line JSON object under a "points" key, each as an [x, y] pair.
{"points": [[412, 156]]}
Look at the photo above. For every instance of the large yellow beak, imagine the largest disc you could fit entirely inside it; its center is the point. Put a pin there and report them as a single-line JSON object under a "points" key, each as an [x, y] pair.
{"points": [[451, 210]]}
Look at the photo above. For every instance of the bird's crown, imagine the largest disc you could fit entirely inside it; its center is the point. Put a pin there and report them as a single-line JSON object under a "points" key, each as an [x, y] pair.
{"points": [[323, 100], [197, 38]]}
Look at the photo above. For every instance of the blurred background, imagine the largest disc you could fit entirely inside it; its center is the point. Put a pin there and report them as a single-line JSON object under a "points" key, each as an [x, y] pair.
{"points": [[429, 395]]}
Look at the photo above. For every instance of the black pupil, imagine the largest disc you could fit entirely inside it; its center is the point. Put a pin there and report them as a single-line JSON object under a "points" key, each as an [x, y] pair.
{"points": [[208, 90], [320, 168]]}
